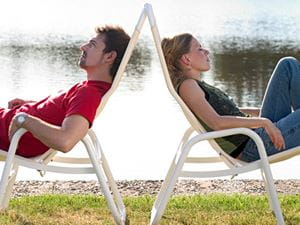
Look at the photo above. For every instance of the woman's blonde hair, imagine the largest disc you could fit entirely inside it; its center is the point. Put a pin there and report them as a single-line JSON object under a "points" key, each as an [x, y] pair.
{"points": [[173, 49]]}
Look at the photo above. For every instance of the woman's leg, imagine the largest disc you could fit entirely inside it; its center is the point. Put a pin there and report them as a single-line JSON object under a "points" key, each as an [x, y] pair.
{"points": [[282, 95], [283, 91], [290, 129]]}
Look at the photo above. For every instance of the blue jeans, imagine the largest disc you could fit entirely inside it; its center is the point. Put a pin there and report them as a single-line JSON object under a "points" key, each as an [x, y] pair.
{"points": [[281, 105]]}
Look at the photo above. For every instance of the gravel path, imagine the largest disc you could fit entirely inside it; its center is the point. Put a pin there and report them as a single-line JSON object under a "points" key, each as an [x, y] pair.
{"points": [[142, 187]]}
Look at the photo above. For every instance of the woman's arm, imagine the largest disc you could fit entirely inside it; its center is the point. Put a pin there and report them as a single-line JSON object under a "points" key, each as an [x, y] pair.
{"points": [[252, 111], [194, 97]]}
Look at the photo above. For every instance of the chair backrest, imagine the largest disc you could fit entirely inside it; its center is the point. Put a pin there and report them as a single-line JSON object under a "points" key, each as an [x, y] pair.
{"points": [[194, 122], [124, 62]]}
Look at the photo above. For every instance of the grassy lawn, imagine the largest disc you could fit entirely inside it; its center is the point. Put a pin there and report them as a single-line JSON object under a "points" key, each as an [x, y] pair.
{"points": [[197, 209]]}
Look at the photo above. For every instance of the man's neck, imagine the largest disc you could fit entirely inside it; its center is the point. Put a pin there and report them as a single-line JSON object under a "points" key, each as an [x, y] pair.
{"points": [[99, 75]]}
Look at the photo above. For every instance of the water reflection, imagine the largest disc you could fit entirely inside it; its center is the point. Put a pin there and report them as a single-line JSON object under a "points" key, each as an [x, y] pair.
{"points": [[43, 61], [138, 67], [39, 54], [243, 71]]}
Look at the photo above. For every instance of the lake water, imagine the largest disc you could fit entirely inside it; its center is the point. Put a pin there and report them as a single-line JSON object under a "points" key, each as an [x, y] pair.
{"points": [[141, 125]]}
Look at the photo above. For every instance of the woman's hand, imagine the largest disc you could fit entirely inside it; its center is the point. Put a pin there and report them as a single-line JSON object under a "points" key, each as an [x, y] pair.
{"points": [[275, 135]]}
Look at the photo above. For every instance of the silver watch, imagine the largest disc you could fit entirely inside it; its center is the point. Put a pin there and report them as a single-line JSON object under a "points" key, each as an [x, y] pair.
{"points": [[21, 118]]}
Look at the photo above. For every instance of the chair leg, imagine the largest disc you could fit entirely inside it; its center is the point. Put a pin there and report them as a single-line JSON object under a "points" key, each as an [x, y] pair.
{"points": [[113, 186], [4, 183], [118, 210], [272, 195], [164, 185], [10, 184], [169, 182], [9, 163], [267, 190], [164, 194], [99, 154]]}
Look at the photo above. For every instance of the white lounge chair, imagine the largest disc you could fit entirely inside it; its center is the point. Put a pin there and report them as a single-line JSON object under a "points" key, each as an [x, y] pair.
{"points": [[52, 163], [182, 157]]}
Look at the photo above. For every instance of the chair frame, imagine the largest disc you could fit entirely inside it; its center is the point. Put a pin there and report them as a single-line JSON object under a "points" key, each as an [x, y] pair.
{"points": [[100, 165], [57, 164], [182, 157]]}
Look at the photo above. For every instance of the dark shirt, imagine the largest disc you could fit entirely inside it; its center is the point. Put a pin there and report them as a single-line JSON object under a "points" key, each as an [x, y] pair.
{"points": [[223, 105]]}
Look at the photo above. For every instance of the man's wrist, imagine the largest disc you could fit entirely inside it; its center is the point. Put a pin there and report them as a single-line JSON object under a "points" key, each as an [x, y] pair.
{"points": [[21, 119]]}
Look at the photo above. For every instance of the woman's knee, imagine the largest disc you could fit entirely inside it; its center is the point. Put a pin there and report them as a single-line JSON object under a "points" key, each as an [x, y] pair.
{"points": [[287, 67], [288, 61]]}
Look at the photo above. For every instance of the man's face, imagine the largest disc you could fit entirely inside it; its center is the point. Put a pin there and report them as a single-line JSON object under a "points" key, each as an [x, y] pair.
{"points": [[92, 52]]}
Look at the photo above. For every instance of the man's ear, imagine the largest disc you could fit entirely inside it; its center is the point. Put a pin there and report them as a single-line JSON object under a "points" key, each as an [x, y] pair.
{"points": [[110, 56]]}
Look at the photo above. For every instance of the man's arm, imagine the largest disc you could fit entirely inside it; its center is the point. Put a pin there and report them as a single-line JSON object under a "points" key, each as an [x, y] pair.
{"points": [[63, 138], [251, 111]]}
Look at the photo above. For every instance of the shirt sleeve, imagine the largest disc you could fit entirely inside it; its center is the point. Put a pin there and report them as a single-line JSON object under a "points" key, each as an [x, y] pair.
{"points": [[85, 103]]}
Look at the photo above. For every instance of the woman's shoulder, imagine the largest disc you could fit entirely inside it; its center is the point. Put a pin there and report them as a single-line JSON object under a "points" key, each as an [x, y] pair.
{"points": [[190, 86], [188, 83]]}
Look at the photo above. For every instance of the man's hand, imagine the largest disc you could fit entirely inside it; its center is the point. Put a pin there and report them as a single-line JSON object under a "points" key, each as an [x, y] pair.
{"points": [[15, 103]]}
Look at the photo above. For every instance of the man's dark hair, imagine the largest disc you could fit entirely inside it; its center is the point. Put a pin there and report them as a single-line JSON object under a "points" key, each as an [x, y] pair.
{"points": [[115, 39]]}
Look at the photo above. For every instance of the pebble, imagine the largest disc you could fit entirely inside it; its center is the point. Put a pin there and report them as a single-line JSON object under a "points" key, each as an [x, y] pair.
{"points": [[152, 187]]}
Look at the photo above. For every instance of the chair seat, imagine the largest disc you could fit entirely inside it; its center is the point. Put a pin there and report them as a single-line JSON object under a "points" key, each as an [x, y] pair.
{"points": [[3, 155], [284, 155]]}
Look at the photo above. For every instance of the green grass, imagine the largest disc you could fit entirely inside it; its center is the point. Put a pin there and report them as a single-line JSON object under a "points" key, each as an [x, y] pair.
{"points": [[198, 209]]}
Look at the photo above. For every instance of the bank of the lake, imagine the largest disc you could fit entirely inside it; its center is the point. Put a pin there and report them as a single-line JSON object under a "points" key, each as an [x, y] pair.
{"points": [[150, 187]]}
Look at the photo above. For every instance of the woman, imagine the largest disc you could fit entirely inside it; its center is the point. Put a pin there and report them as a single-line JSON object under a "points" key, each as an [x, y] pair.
{"points": [[275, 123]]}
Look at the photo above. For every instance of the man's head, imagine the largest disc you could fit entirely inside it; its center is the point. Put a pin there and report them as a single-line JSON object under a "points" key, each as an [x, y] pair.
{"points": [[105, 49]]}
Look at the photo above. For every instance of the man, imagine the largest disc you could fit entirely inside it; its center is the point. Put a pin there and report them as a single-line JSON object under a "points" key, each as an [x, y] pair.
{"points": [[60, 121]]}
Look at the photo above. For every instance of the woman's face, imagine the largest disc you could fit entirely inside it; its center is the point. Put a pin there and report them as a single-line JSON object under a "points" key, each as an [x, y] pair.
{"points": [[197, 58]]}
